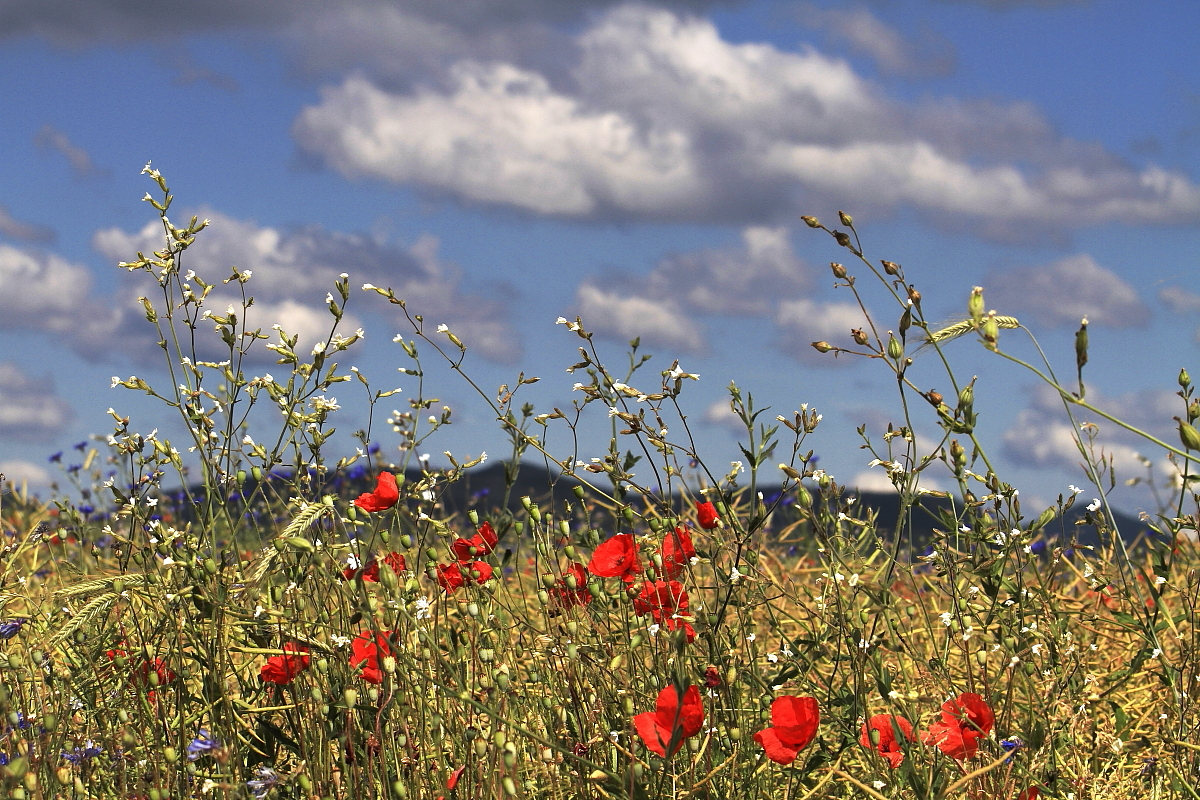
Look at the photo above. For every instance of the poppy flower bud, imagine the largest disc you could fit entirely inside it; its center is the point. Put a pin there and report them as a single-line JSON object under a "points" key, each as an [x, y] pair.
{"points": [[822, 347], [811, 222], [839, 271]]}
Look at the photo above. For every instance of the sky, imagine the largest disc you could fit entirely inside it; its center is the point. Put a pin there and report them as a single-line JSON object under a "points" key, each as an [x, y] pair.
{"points": [[643, 166]]}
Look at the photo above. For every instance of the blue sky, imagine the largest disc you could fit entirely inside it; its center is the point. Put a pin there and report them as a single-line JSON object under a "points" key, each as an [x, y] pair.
{"points": [[641, 165]]}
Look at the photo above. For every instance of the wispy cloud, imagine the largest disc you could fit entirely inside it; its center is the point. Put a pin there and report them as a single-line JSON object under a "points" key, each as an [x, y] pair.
{"points": [[30, 410], [14, 228], [924, 56], [1066, 291], [50, 138]]}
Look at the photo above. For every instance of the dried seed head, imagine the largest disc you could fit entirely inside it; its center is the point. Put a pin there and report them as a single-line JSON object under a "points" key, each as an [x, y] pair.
{"points": [[890, 267], [839, 271]]}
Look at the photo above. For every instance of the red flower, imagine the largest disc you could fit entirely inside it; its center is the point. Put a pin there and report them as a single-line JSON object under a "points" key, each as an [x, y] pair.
{"points": [[712, 678], [452, 576], [370, 572], [616, 558], [675, 718], [283, 669], [706, 515], [794, 722], [667, 603], [677, 550], [885, 726], [1030, 793], [563, 596], [367, 649], [480, 544], [965, 720], [141, 674], [385, 496]]}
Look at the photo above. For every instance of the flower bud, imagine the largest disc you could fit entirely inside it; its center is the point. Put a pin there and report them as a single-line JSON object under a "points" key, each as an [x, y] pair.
{"points": [[1193, 411], [839, 271], [894, 349], [1185, 380], [934, 397], [858, 336], [842, 238], [846, 219], [966, 398], [890, 267], [811, 222], [1188, 435], [975, 304], [822, 347]]}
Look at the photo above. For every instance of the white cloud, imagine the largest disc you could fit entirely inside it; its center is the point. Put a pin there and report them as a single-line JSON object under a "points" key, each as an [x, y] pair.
{"points": [[25, 472], [660, 323], [722, 415], [749, 280], [1179, 300], [805, 321], [1042, 435], [927, 55], [29, 408], [1066, 291], [293, 270], [41, 290], [662, 118]]}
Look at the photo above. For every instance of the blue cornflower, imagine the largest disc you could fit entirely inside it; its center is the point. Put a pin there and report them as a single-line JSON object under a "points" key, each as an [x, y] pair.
{"points": [[10, 628], [203, 743], [1037, 547], [56, 458], [266, 780], [81, 754], [1011, 745]]}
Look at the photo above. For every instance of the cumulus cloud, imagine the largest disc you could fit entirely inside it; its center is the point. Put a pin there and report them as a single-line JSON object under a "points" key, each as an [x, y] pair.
{"points": [[805, 321], [1042, 435], [26, 472], [1066, 291], [660, 323], [29, 408], [294, 269], [50, 138], [661, 118], [926, 55], [14, 228], [41, 290], [722, 415], [746, 280]]}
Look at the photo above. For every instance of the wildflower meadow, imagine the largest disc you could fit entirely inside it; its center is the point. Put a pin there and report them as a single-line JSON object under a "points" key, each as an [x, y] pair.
{"points": [[211, 613]]}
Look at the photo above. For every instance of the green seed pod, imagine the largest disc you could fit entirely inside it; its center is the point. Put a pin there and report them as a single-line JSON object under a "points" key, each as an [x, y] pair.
{"points": [[399, 789], [210, 566], [170, 754], [499, 739], [241, 477], [636, 640], [975, 304], [510, 788], [350, 696], [405, 541], [1189, 435], [894, 349], [473, 515], [1185, 380]]}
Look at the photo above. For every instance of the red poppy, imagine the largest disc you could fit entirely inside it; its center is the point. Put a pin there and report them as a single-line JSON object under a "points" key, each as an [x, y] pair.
{"points": [[675, 717], [965, 720], [482, 543], [794, 722], [712, 678], [141, 673], [677, 550], [367, 649], [667, 603], [452, 781], [283, 669], [370, 573], [453, 575], [885, 726], [706, 515], [1030, 793], [615, 558], [386, 494], [562, 595]]}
